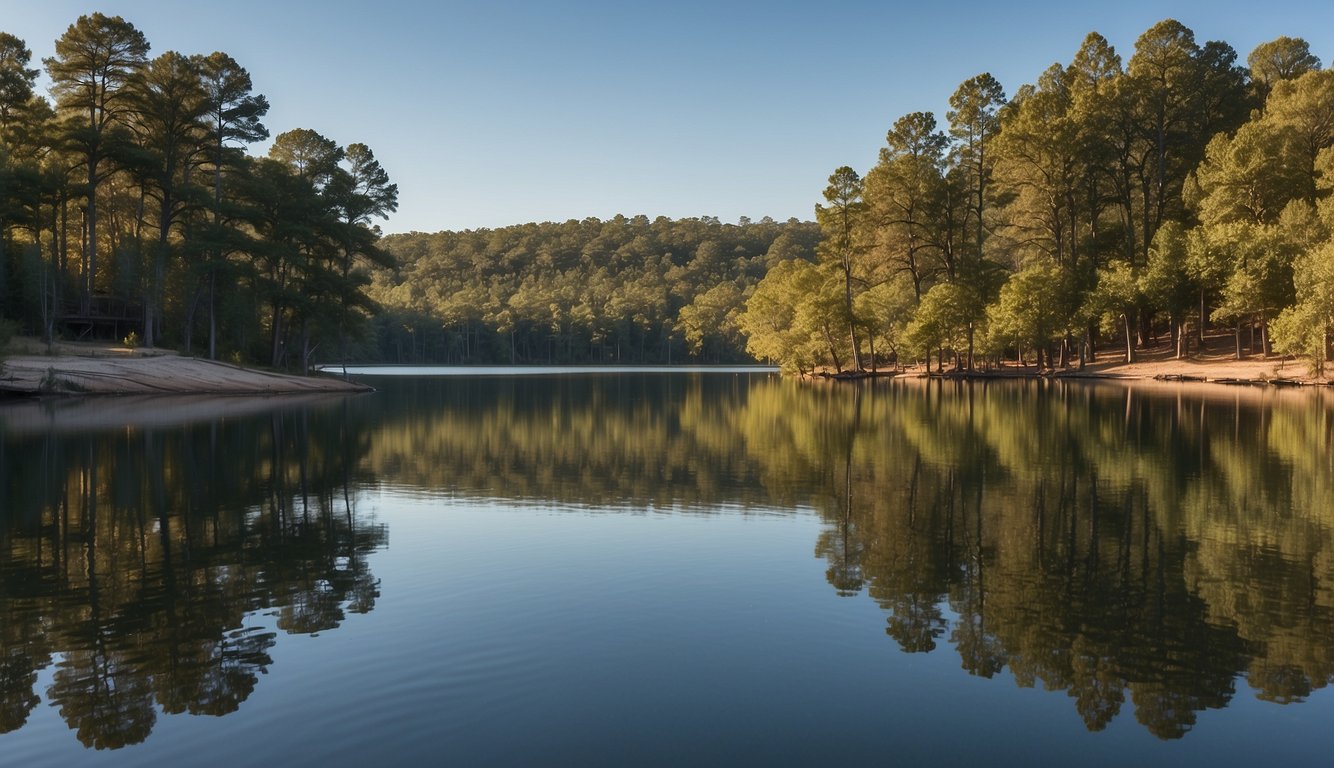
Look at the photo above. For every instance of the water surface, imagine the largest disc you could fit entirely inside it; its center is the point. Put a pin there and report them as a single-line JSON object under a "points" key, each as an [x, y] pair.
{"points": [[706, 568]]}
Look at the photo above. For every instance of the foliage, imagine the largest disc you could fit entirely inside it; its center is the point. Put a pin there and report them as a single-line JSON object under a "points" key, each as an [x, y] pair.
{"points": [[128, 199], [1127, 195], [624, 289], [1029, 311], [1305, 327]]}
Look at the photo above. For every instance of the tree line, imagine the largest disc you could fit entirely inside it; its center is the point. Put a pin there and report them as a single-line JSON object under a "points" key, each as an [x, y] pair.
{"points": [[626, 290], [128, 204], [1109, 204]]}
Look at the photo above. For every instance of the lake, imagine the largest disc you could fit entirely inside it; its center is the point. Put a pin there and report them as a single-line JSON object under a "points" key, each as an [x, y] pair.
{"points": [[640, 568]]}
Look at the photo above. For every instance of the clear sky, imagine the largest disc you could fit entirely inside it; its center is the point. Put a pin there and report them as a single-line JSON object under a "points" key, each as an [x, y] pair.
{"points": [[501, 112]]}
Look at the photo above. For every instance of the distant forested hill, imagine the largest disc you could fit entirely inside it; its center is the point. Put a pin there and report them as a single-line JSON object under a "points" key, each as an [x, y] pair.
{"points": [[626, 290]]}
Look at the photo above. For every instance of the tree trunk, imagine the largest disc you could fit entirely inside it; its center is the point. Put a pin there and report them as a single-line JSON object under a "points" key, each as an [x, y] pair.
{"points": [[852, 321], [277, 343], [1199, 332], [212, 313], [90, 243], [1130, 345], [970, 346], [833, 351]]}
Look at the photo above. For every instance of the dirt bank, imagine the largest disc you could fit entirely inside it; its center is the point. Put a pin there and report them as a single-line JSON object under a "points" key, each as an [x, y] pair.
{"points": [[1216, 363], [106, 370]]}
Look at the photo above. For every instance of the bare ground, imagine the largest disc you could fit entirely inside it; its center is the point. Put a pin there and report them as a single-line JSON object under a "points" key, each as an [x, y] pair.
{"points": [[1216, 362], [91, 368]]}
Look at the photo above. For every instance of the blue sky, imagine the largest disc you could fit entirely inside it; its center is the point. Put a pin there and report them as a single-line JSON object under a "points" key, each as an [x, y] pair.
{"points": [[498, 112]]}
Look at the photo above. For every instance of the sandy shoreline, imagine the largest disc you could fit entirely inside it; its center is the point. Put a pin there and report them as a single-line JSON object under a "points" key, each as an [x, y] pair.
{"points": [[1216, 364], [102, 369], [118, 371]]}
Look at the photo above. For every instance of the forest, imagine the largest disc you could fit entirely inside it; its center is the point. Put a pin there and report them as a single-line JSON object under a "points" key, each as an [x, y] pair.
{"points": [[1114, 205], [625, 290], [130, 210], [1175, 194]]}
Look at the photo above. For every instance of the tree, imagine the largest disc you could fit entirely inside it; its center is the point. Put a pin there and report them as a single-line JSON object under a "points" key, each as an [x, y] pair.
{"points": [[711, 319], [309, 155], [1114, 301], [840, 221], [1283, 58], [170, 105], [360, 192], [1260, 281], [1305, 327], [885, 309], [16, 95], [1249, 176], [95, 60], [234, 114], [1033, 309], [770, 320], [944, 321], [1039, 161], [1167, 281], [1303, 110], [293, 252], [974, 121], [905, 197], [16, 82]]}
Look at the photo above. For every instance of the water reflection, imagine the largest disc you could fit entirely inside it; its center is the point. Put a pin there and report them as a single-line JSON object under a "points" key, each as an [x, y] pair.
{"points": [[1103, 541], [141, 557], [1135, 547], [1146, 552]]}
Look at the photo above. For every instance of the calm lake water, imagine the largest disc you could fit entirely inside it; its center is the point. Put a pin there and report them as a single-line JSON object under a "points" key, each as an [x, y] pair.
{"points": [[670, 569]]}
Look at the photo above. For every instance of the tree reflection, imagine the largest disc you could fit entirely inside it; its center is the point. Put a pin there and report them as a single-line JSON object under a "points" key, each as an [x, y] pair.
{"points": [[1116, 543], [142, 559], [1101, 541]]}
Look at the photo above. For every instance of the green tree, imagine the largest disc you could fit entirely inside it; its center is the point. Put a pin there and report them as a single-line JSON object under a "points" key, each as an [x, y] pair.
{"points": [[170, 106], [770, 320], [885, 309], [1303, 110], [1283, 58], [16, 83], [96, 59], [1033, 310], [905, 196], [1249, 176], [360, 192], [1167, 281], [974, 121], [944, 322], [1260, 282], [1304, 328], [234, 114], [1114, 301], [841, 222], [711, 319]]}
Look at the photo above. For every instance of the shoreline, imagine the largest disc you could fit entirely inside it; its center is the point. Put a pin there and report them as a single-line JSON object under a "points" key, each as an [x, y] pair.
{"points": [[1075, 375], [111, 371], [103, 369], [1215, 364]]}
